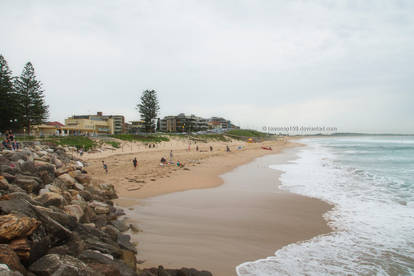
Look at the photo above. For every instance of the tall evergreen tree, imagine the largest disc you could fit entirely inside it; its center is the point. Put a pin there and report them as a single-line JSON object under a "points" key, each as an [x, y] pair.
{"points": [[148, 109], [8, 108], [31, 100]]}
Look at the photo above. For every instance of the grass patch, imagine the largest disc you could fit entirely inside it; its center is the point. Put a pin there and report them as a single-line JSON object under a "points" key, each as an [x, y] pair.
{"points": [[141, 138], [73, 141], [247, 133], [215, 137], [114, 144]]}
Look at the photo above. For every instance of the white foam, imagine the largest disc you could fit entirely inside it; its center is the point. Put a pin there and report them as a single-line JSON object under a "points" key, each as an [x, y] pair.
{"points": [[374, 229]]}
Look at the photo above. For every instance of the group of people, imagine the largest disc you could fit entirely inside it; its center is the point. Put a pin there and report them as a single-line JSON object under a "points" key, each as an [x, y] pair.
{"points": [[163, 161], [9, 141]]}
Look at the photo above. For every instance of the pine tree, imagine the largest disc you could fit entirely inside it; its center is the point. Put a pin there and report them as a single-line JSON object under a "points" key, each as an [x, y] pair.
{"points": [[31, 100], [8, 109], [148, 109]]}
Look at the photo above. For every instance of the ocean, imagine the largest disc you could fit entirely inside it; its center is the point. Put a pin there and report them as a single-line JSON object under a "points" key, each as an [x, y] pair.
{"points": [[370, 182]]}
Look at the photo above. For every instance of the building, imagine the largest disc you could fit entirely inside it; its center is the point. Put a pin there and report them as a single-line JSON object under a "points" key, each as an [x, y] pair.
{"points": [[183, 123], [219, 122], [98, 124], [135, 127]]}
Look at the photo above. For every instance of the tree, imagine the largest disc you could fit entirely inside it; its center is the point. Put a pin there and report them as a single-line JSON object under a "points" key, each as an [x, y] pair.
{"points": [[148, 109], [8, 107], [31, 100]]}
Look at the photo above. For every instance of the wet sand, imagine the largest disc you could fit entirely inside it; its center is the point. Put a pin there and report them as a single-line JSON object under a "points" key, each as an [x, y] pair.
{"points": [[216, 229]]}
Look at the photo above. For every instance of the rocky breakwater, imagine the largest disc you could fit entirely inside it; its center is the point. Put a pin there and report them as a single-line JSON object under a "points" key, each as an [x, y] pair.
{"points": [[54, 220]]}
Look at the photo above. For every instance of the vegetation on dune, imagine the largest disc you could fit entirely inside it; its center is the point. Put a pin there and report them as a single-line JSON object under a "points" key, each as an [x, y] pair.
{"points": [[215, 137], [246, 133], [141, 138], [114, 144], [73, 141]]}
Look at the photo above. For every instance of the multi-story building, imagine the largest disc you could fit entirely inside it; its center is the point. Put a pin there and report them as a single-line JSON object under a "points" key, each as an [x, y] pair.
{"points": [[218, 122], [183, 123], [135, 127], [97, 124]]}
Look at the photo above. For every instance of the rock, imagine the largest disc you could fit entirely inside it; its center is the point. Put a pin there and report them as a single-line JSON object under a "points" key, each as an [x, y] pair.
{"points": [[95, 244], [124, 241], [15, 226], [44, 166], [83, 179], [10, 258], [128, 257], [111, 231], [59, 265], [22, 247], [93, 256], [134, 228], [101, 210], [58, 216], [46, 177], [67, 179], [57, 162], [9, 177], [63, 170], [27, 166], [50, 199], [120, 225], [79, 186], [5, 271], [58, 233], [105, 269], [74, 210], [4, 183], [89, 215], [30, 185]]}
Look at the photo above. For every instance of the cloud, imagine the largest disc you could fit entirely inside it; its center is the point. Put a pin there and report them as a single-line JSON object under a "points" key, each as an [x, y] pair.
{"points": [[300, 61]]}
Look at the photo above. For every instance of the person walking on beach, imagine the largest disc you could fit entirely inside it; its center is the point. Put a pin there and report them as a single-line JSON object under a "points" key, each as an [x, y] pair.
{"points": [[227, 148], [135, 162], [211, 148], [197, 148], [105, 167], [171, 156]]}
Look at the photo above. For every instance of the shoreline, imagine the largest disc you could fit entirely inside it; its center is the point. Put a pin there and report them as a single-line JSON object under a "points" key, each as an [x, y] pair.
{"points": [[168, 218]]}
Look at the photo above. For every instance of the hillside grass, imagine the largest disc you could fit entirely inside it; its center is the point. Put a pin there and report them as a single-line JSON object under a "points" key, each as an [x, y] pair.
{"points": [[141, 138], [247, 133]]}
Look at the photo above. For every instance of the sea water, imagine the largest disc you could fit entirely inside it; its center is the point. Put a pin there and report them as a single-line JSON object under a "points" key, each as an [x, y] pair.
{"points": [[370, 182]]}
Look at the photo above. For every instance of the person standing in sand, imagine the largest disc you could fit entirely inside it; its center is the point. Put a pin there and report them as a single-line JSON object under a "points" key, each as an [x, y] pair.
{"points": [[105, 167], [171, 156], [211, 148], [135, 162]]}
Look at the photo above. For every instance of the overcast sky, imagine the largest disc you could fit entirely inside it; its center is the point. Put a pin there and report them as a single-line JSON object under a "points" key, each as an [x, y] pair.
{"points": [[346, 64]]}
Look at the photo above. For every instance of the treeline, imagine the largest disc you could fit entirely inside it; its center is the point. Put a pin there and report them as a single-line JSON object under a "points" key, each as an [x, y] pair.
{"points": [[22, 102]]}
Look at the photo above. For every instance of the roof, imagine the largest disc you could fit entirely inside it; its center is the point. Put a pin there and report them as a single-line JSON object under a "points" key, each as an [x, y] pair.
{"points": [[55, 123]]}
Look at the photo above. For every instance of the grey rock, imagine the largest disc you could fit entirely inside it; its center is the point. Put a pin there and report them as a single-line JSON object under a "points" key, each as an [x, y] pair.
{"points": [[59, 265]]}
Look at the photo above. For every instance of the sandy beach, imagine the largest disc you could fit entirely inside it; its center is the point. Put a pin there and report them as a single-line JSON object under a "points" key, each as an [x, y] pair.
{"points": [[190, 220]]}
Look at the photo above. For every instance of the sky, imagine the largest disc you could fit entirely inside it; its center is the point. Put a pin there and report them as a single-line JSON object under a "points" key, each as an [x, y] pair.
{"points": [[346, 64]]}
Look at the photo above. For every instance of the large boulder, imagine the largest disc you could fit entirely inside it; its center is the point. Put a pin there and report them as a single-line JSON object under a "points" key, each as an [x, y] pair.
{"points": [[50, 199], [22, 247], [54, 264], [124, 241], [31, 184], [83, 178], [10, 258], [15, 226], [120, 225], [75, 211], [4, 183], [67, 179], [5, 271]]}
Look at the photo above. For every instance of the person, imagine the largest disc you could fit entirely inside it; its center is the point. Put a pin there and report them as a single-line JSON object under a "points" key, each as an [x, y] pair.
{"points": [[153, 145], [105, 167], [171, 156], [211, 148], [197, 148], [149, 146], [163, 161], [135, 162], [227, 148], [5, 144], [179, 164]]}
